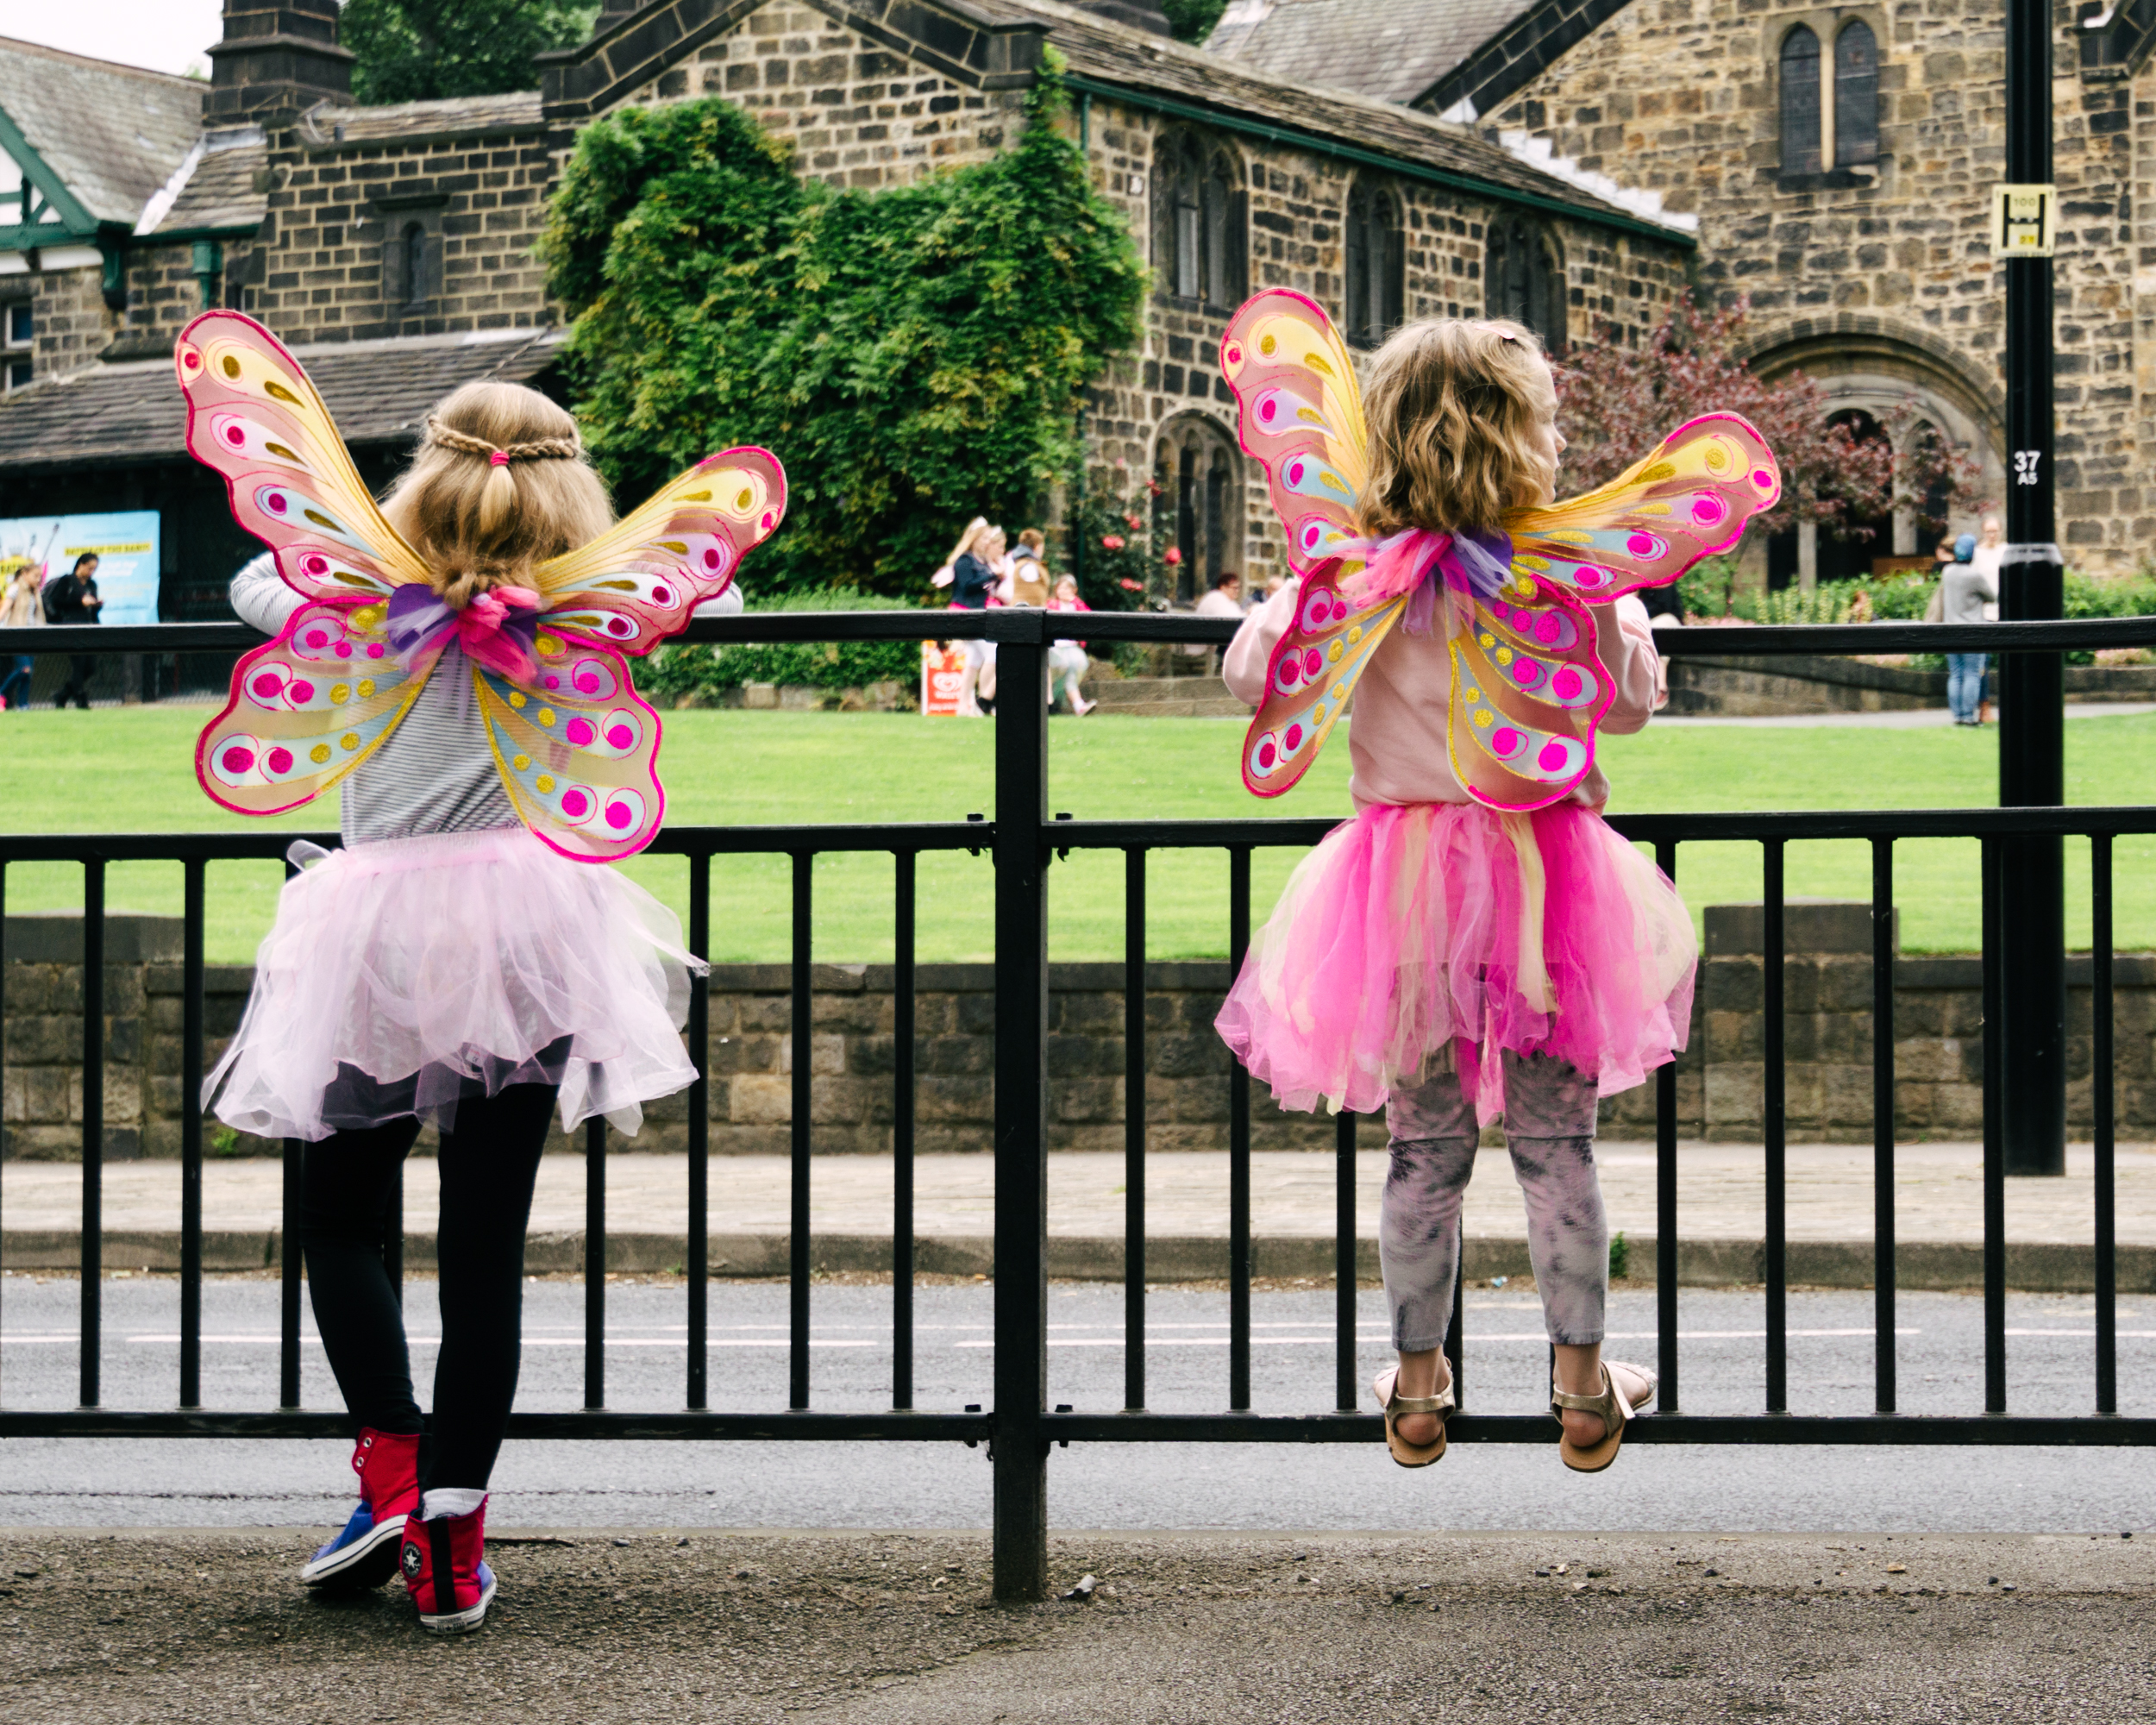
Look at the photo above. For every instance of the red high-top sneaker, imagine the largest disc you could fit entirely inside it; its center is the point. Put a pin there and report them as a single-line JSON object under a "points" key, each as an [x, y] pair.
{"points": [[446, 1573], [364, 1554]]}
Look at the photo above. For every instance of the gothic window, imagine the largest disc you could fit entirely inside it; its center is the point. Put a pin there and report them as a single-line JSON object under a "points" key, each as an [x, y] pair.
{"points": [[411, 254], [1197, 507], [1201, 222], [1856, 95], [1800, 101], [414, 290], [1376, 265], [1524, 279]]}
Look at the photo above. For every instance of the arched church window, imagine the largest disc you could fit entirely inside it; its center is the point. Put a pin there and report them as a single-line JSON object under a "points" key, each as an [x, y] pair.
{"points": [[1200, 223], [1524, 279], [1376, 265], [1800, 101], [1856, 95]]}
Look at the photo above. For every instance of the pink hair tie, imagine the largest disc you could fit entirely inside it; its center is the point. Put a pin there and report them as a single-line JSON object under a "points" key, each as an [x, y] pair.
{"points": [[499, 458]]}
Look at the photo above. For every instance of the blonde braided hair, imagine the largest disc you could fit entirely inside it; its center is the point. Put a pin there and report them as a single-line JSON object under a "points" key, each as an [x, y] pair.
{"points": [[478, 522]]}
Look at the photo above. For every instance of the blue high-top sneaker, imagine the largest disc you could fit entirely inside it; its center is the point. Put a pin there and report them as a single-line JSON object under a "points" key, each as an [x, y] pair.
{"points": [[364, 1554]]}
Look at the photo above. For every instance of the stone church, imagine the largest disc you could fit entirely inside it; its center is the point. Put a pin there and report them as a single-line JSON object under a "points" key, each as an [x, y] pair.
{"points": [[391, 246], [1836, 162]]}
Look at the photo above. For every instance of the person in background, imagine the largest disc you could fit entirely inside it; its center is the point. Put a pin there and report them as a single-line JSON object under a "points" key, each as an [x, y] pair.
{"points": [[1986, 558], [1223, 599], [1067, 659], [1027, 583], [73, 598], [1965, 590], [21, 607], [973, 580]]}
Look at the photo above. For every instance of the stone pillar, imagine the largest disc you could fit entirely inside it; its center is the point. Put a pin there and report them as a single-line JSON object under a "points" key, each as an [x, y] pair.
{"points": [[278, 57]]}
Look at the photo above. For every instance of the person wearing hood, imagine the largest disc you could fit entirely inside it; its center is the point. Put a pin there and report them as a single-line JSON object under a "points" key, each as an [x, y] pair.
{"points": [[1964, 589]]}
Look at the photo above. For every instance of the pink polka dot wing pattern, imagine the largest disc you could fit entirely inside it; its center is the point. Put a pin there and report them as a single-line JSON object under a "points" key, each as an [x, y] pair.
{"points": [[253, 415], [633, 586], [1308, 680], [1692, 497], [578, 749], [304, 710]]}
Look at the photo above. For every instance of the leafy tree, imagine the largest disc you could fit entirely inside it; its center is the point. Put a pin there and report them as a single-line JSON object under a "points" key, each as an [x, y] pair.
{"points": [[1615, 403], [421, 50], [915, 356], [1192, 20]]}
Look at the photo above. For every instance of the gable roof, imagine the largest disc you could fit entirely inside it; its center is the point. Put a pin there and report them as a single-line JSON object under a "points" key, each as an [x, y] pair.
{"points": [[1187, 81], [378, 393], [113, 134], [1393, 50]]}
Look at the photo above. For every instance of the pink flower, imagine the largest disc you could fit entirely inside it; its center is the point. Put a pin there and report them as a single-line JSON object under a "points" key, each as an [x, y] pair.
{"points": [[1133, 524], [1173, 555], [1130, 585], [1112, 542]]}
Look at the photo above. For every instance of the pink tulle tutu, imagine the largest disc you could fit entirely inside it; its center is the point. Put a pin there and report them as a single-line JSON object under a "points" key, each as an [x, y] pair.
{"points": [[1411, 929], [405, 974]]}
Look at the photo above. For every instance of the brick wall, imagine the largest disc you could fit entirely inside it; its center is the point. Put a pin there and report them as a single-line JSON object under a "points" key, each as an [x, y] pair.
{"points": [[1680, 97], [855, 113], [73, 327], [480, 197], [1938, 1039]]}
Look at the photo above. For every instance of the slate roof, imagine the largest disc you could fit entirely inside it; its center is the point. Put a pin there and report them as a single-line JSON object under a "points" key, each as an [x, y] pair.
{"points": [[1113, 53], [515, 111], [216, 188], [378, 391], [115, 135], [1394, 50]]}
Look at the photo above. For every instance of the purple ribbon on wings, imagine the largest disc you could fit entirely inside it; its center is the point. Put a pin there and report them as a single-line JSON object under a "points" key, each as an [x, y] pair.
{"points": [[499, 628]]}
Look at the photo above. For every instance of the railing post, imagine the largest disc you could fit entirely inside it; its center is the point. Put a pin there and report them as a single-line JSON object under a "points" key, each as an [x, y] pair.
{"points": [[1019, 1447], [2032, 727], [93, 1122]]}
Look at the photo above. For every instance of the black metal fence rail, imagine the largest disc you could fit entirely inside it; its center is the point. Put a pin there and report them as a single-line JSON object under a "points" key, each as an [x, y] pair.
{"points": [[1024, 843]]}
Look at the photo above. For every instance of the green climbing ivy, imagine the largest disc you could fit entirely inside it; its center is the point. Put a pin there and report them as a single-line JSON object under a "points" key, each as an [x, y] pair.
{"points": [[915, 356]]}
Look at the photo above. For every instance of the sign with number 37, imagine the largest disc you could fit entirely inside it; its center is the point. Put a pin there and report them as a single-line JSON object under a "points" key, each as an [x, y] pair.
{"points": [[2025, 465]]}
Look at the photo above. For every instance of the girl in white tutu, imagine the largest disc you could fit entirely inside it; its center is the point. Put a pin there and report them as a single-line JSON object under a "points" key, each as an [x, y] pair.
{"points": [[467, 960]]}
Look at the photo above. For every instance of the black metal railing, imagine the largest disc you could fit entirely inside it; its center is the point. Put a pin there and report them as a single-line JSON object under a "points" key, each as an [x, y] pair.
{"points": [[1023, 842]]}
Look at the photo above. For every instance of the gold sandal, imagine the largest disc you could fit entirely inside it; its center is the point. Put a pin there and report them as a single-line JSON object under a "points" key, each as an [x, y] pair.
{"points": [[1615, 1412], [1385, 1385]]}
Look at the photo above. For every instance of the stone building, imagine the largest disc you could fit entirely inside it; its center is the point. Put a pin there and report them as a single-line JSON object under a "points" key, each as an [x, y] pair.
{"points": [[1838, 162], [391, 246]]}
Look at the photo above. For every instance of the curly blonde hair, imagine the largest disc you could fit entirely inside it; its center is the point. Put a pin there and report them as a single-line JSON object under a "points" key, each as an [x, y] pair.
{"points": [[1453, 407], [499, 485]]}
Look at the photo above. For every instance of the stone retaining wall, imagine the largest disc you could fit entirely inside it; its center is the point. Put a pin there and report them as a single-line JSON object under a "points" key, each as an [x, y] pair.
{"points": [[1939, 1049]]}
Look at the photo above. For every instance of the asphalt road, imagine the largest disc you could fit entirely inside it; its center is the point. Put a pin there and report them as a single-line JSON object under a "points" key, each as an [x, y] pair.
{"points": [[83, 1483]]}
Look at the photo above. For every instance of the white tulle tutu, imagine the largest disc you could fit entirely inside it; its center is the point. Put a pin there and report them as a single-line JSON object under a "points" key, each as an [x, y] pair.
{"points": [[406, 974]]}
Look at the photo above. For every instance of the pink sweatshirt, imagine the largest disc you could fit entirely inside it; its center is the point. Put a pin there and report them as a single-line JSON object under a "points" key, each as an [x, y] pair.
{"points": [[1396, 730]]}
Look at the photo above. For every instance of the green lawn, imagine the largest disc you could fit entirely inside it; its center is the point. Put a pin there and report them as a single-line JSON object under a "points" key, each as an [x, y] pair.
{"points": [[131, 770]]}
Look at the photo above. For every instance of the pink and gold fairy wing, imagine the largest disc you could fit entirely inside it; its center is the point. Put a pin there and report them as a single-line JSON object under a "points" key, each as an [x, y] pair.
{"points": [[578, 754], [1529, 690], [1299, 412], [255, 417], [1312, 671], [1692, 497], [305, 709], [635, 585]]}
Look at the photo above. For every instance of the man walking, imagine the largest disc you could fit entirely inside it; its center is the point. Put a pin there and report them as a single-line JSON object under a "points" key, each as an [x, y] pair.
{"points": [[73, 598], [1964, 589]]}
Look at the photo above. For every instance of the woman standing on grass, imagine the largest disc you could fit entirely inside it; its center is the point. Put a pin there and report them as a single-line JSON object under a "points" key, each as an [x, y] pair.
{"points": [[1067, 660], [22, 607]]}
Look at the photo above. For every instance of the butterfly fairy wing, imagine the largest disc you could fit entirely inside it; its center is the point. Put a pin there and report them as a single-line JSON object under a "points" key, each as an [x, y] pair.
{"points": [[634, 586], [255, 417], [1690, 498], [1299, 412], [305, 709], [580, 756], [1312, 671], [1528, 692]]}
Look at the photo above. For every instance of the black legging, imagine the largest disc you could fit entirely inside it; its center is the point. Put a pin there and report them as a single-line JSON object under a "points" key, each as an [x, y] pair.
{"points": [[488, 1166]]}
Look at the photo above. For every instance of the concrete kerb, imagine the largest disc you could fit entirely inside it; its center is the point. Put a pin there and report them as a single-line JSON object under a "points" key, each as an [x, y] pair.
{"points": [[1919, 1265]]}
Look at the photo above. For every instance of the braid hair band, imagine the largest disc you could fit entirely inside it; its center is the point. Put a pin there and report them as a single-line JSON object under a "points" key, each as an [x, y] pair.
{"points": [[540, 449]]}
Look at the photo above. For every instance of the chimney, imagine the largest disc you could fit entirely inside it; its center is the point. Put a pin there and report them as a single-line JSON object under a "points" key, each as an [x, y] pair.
{"points": [[278, 57]]}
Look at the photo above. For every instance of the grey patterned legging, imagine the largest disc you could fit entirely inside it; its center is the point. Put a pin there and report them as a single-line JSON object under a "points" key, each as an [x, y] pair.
{"points": [[1550, 1130]]}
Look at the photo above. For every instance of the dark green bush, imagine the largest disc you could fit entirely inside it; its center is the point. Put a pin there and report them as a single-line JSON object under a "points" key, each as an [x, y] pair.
{"points": [[673, 672]]}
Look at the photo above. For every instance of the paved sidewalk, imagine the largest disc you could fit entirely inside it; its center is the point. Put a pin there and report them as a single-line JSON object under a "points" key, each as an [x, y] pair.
{"points": [[868, 1628], [1914, 718], [1938, 1199]]}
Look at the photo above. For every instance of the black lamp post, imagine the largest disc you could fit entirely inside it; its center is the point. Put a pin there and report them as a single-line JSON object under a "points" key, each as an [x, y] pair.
{"points": [[2032, 927]]}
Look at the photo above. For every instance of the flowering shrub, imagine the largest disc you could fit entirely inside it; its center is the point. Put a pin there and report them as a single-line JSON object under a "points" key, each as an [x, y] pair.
{"points": [[1110, 548]]}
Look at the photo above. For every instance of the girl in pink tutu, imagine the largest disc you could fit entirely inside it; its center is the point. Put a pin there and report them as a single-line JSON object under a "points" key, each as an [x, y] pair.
{"points": [[1449, 960], [447, 967]]}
